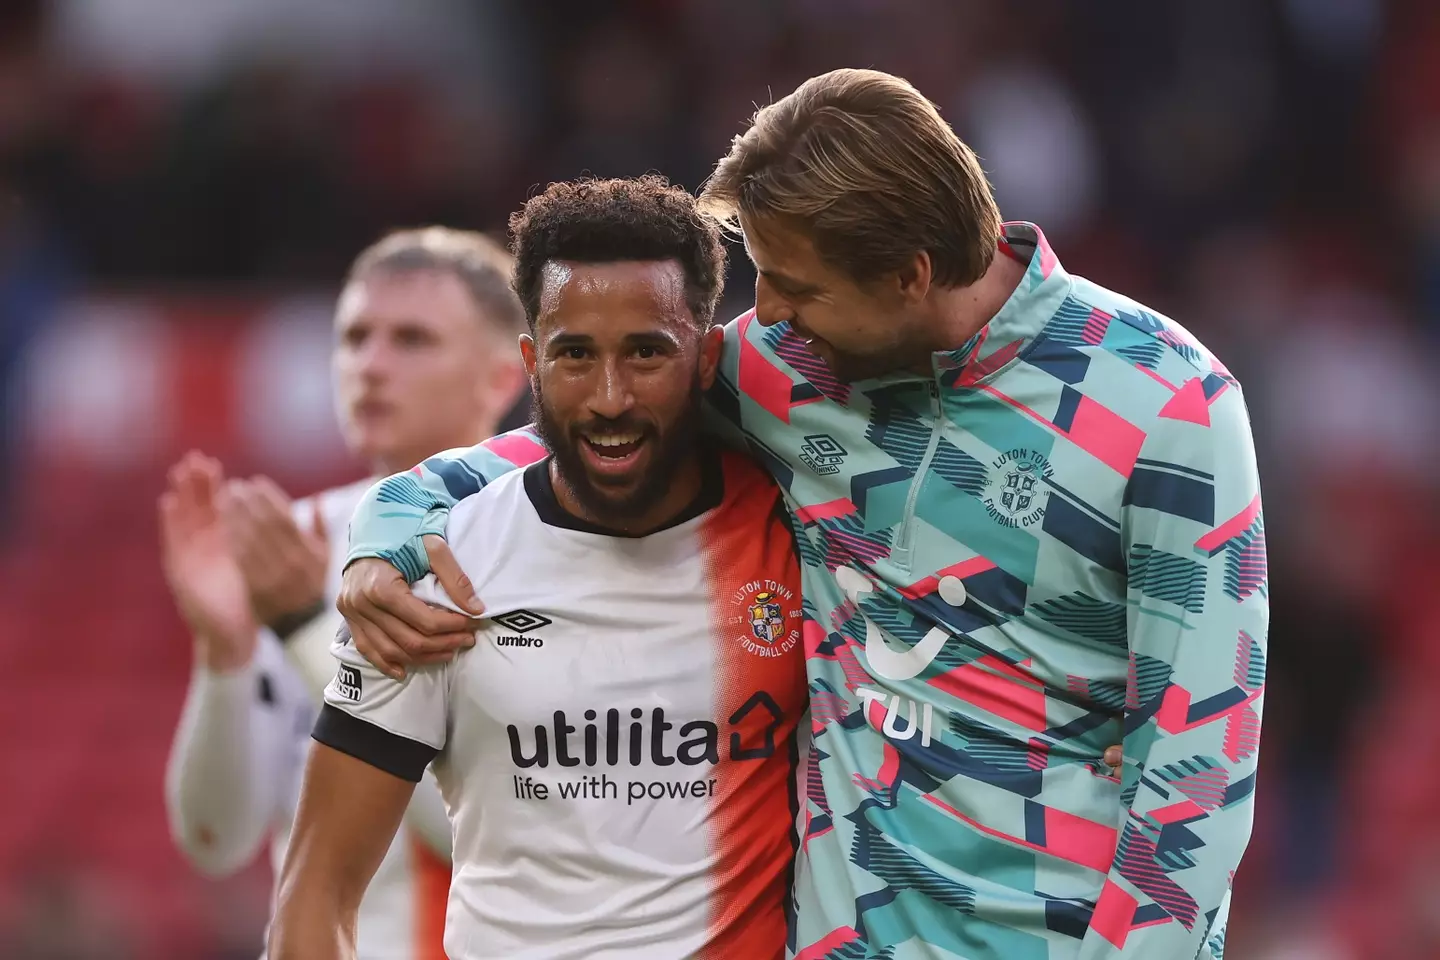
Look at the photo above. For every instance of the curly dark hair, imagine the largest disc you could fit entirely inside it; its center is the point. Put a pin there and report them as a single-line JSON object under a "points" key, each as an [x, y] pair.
{"points": [[607, 221]]}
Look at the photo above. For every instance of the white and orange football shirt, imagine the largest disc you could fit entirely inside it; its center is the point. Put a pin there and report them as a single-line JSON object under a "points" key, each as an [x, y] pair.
{"points": [[618, 751]]}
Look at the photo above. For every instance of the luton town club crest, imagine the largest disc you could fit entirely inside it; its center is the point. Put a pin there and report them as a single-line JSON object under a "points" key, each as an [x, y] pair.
{"points": [[1018, 489], [766, 618]]}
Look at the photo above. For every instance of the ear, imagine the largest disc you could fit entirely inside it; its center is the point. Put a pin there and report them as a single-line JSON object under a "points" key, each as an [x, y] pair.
{"points": [[711, 346], [507, 380], [915, 276], [528, 354]]}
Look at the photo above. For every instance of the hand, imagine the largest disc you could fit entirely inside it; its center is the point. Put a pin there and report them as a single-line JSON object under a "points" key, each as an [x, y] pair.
{"points": [[204, 577], [392, 628], [284, 566], [1115, 758]]}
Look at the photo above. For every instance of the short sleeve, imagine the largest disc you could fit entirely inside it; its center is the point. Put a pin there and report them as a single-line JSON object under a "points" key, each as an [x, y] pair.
{"points": [[396, 725]]}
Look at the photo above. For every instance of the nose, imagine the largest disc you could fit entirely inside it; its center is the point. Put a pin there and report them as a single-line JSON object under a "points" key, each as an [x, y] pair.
{"points": [[371, 359], [770, 307], [611, 395]]}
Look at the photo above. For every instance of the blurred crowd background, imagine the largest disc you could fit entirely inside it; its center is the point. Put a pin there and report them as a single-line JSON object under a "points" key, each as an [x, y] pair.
{"points": [[183, 183]]}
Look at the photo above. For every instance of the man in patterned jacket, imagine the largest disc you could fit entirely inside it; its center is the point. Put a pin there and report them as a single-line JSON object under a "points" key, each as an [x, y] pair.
{"points": [[1029, 517]]}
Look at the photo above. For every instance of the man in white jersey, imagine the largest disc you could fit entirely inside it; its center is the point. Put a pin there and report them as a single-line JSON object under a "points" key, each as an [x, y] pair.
{"points": [[423, 361], [617, 752]]}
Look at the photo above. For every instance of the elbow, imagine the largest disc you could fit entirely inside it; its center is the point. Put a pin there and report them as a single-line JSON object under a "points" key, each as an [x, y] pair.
{"points": [[209, 854], [218, 831], [214, 851]]}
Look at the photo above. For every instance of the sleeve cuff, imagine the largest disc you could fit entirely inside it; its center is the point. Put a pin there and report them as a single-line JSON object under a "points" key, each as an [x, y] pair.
{"points": [[227, 685], [396, 755]]}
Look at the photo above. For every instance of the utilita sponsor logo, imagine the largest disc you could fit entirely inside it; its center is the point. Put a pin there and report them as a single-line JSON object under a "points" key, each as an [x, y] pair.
{"points": [[609, 740]]}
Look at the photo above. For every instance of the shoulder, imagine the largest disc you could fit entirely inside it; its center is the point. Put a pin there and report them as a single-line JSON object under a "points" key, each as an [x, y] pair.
{"points": [[751, 501], [746, 479], [480, 516], [1147, 339], [337, 504], [520, 447], [737, 328]]}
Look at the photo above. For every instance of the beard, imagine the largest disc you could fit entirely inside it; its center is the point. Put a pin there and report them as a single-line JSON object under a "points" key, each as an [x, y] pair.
{"points": [[609, 503]]}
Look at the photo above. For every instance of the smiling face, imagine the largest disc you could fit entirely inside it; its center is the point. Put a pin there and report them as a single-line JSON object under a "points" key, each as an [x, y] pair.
{"points": [[860, 331], [618, 364]]}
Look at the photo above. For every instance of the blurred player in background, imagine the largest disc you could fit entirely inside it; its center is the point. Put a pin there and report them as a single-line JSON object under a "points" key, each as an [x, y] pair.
{"points": [[1031, 523], [424, 360], [642, 661]]}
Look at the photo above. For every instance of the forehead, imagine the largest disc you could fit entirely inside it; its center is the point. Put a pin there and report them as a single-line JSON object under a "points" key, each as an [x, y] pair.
{"points": [[782, 249], [611, 297], [432, 298]]}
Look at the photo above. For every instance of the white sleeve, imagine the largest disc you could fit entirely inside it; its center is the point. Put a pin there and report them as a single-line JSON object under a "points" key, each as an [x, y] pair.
{"points": [[228, 764], [396, 725], [307, 650]]}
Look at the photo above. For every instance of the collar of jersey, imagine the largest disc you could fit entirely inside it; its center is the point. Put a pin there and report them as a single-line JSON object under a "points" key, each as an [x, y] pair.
{"points": [[1008, 335], [541, 492]]}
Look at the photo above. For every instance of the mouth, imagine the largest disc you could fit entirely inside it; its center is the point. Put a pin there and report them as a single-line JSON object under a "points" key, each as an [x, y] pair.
{"points": [[810, 340], [613, 454], [370, 409]]}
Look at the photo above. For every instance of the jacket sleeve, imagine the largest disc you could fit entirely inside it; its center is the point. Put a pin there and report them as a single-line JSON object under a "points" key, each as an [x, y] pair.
{"points": [[1198, 604], [397, 511]]}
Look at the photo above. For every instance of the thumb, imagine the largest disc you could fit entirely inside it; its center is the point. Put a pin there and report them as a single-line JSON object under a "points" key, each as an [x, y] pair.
{"points": [[447, 570]]}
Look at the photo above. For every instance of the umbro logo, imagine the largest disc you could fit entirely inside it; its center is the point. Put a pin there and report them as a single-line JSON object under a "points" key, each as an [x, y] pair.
{"points": [[522, 621], [822, 454]]}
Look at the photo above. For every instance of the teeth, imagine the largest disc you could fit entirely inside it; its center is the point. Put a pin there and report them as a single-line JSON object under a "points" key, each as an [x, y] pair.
{"points": [[615, 440]]}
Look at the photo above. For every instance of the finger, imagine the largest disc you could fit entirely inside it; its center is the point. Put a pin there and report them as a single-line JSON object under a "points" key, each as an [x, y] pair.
{"points": [[277, 530], [274, 501], [428, 659], [268, 505], [398, 601], [212, 476], [186, 476], [168, 513], [174, 477], [194, 481], [377, 648], [452, 579], [318, 529], [239, 521], [180, 514], [415, 644], [195, 496]]}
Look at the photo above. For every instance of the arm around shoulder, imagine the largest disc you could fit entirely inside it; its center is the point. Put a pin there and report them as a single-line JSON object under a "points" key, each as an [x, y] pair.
{"points": [[397, 511]]}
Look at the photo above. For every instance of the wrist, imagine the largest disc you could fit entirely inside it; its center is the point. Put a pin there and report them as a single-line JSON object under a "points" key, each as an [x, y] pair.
{"points": [[221, 656], [285, 624]]}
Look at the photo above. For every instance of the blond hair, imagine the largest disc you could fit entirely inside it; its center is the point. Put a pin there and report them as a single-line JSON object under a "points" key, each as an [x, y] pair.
{"points": [[484, 267], [866, 166]]}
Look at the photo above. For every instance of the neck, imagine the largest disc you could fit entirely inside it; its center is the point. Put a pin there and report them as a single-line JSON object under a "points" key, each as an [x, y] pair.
{"points": [[964, 311], [399, 461], [680, 492]]}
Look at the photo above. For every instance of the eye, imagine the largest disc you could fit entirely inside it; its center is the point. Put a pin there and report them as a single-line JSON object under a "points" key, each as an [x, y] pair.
{"points": [[574, 353], [411, 337], [647, 353]]}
